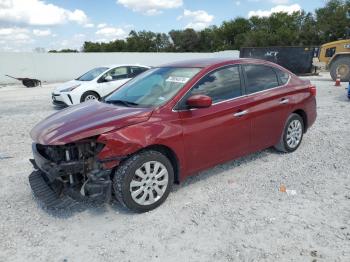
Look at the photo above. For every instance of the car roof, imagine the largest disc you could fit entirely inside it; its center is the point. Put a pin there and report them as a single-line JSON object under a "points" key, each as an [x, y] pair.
{"points": [[117, 65], [209, 62]]}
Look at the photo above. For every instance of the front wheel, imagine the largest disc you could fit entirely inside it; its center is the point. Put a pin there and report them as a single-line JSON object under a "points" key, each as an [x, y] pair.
{"points": [[88, 96], [143, 181], [292, 134]]}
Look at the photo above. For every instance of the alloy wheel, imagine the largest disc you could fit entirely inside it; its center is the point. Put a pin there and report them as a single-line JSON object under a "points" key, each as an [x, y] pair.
{"points": [[149, 183], [90, 97], [294, 133]]}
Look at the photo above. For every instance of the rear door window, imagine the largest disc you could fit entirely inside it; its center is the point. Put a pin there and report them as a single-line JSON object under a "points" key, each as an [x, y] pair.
{"points": [[136, 70], [259, 78]]}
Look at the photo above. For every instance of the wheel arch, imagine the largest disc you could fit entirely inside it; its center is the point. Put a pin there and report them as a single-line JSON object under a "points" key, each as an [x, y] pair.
{"points": [[336, 57], [170, 154], [303, 115], [89, 91]]}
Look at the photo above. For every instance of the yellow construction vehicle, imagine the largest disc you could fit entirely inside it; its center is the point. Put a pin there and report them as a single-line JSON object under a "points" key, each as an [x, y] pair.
{"points": [[336, 57]]}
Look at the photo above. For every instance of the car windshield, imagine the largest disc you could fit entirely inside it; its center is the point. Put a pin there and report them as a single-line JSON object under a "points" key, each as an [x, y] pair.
{"points": [[92, 74], [152, 88]]}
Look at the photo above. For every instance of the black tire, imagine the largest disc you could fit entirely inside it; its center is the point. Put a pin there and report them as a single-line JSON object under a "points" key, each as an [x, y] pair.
{"points": [[126, 172], [87, 94], [283, 145], [341, 61]]}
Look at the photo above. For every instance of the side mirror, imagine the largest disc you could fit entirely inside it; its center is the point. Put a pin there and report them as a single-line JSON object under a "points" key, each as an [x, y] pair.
{"points": [[199, 101], [108, 78]]}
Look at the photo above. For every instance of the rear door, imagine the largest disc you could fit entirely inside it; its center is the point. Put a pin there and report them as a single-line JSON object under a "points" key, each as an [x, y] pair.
{"points": [[268, 103], [221, 132]]}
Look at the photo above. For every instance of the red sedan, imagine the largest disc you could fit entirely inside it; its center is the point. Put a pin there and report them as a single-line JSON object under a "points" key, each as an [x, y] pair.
{"points": [[165, 125]]}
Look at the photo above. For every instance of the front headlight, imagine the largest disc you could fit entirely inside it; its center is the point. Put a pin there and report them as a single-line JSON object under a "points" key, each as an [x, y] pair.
{"points": [[70, 88]]}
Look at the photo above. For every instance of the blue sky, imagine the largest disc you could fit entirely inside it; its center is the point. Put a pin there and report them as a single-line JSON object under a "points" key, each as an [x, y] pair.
{"points": [[57, 24]]}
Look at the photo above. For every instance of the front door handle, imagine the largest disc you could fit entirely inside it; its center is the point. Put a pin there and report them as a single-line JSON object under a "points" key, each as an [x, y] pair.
{"points": [[284, 101], [241, 113]]}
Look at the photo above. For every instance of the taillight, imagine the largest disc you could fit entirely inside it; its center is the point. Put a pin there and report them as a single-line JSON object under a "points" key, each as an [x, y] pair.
{"points": [[312, 90]]}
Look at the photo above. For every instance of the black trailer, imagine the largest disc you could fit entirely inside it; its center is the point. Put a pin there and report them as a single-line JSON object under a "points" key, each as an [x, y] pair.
{"points": [[28, 82], [296, 59]]}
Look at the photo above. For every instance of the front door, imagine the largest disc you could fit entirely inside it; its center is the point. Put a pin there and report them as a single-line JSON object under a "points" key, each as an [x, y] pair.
{"points": [[112, 80], [221, 132]]}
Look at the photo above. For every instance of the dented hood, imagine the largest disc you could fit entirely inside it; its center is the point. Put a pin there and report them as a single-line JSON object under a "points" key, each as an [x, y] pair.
{"points": [[86, 120]]}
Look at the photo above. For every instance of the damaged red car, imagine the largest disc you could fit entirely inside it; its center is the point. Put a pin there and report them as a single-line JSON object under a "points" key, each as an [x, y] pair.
{"points": [[165, 125]]}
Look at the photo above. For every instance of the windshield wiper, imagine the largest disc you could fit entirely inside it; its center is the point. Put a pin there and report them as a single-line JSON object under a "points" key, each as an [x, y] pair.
{"points": [[123, 102]]}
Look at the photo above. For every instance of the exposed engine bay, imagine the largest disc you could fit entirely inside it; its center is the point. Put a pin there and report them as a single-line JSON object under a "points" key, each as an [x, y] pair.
{"points": [[72, 171]]}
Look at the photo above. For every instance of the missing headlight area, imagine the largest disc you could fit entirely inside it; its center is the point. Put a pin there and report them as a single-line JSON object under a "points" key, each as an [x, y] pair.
{"points": [[69, 173]]}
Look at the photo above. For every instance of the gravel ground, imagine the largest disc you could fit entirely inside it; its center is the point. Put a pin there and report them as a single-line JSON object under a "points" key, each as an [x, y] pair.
{"points": [[233, 212]]}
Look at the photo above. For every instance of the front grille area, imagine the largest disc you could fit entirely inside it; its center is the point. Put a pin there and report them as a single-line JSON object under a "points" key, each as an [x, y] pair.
{"points": [[59, 103], [58, 153], [70, 152]]}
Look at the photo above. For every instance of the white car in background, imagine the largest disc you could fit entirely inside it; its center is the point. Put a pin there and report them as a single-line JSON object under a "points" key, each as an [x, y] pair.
{"points": [[95, 84]]}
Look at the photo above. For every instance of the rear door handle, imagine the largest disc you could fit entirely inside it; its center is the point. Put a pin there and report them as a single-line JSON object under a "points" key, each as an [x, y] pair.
{"points": [[241, 113], [284, 101]]}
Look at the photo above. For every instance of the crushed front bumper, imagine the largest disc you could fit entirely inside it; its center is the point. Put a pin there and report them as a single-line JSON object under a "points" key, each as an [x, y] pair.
{"points": [[53, 170], [64, 185], [46, 195]]}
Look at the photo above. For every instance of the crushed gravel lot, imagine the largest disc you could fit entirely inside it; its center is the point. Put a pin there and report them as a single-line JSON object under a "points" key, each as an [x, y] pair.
{"points": [[233, 212]]}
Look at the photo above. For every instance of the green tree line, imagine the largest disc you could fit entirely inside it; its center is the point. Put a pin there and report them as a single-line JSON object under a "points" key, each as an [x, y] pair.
{"points": [[326, 24], [64, 51]]}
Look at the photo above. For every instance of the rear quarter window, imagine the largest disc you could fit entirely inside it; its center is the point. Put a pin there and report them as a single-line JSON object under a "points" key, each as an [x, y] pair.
{"points": [[283, 76]]}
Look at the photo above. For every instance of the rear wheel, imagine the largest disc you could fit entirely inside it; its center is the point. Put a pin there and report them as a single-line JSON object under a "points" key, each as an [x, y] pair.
{"points": [[143, 182], [341, 67], [292, 134], [89, 95]]}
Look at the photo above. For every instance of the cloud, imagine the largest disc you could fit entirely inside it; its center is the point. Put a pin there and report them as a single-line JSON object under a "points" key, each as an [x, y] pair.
{"points": [[279, 2], [79, 36], [101, 25], [45, 32], [277, 9], [198, 20], [150, 7], [111, 33], [14, 34], [276, 2], [13, 39], [65, 43], [90, 25], [5, 4], [37, 12], [77, 16], [74, 42]]}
